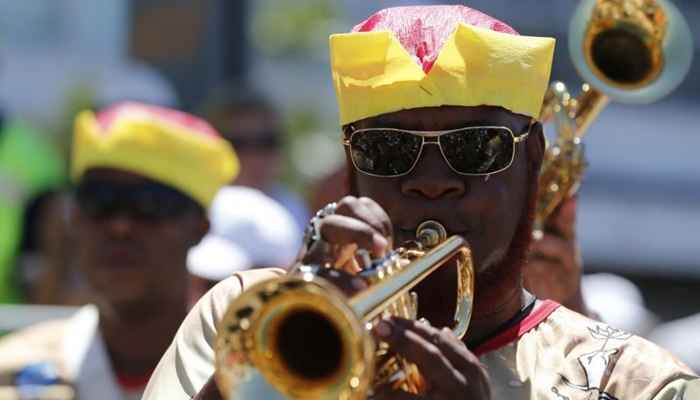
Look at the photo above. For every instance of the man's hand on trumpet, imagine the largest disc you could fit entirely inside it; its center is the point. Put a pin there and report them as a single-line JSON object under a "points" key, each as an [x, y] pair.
{"points": [[449, 368], [351, 224]]}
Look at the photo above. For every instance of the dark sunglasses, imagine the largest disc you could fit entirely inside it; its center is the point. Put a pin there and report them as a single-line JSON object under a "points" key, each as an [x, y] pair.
{"points": [[146, 202], [474, 150]]}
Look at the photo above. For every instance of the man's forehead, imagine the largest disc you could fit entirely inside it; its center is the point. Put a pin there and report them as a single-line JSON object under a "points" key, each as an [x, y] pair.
{"points": [[120, 183], [446, 117]]}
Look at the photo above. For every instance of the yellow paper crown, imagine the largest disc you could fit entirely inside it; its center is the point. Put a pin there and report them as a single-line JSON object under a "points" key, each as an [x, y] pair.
{"points": [[167, 146], [373, 74]]}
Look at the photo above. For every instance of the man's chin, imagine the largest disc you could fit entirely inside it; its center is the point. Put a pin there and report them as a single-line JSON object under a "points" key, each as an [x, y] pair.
{"points": [[119, 297], [494, 280], [493, 262], [495, 275]]}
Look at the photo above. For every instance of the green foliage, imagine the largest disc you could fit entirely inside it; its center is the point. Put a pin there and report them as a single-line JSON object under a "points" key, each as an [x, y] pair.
{"points": [[300, 123], [290, 27]]}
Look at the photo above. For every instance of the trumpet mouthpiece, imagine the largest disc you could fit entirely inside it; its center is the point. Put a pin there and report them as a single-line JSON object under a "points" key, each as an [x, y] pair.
{"points": [[431, 233]]}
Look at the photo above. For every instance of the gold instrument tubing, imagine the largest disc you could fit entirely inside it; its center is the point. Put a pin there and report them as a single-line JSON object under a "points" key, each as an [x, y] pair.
{"points": [[369, 303]]}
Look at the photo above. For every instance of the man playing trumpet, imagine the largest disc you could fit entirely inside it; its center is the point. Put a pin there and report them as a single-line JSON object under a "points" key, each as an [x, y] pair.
{"points": [[438, 107]]}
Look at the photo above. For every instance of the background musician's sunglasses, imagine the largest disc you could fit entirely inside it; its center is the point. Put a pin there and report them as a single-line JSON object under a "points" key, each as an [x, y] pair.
{"points": [[473, 151], [146, 202]]}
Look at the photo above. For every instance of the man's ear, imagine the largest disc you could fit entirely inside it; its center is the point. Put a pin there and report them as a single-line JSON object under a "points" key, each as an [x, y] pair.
{"points": [[536, 146], [201, 228]]}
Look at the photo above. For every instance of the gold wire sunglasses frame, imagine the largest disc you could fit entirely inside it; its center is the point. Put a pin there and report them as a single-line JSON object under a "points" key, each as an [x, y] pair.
{"points": [[433, 137]]}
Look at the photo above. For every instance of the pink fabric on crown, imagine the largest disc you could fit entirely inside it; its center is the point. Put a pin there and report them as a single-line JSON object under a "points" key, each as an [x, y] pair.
{"points": [[422, 30], [193, 124]]}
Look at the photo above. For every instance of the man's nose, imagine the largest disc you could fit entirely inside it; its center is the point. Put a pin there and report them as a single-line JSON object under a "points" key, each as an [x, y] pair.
{"points": [[119, 225], [432, 178]]}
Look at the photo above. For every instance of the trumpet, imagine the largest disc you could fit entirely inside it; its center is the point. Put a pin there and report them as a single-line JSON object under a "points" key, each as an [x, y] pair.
{"points": [[300, 337], [630, 51]]}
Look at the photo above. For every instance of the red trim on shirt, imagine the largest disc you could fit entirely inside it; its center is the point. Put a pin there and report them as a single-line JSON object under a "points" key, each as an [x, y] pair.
{"points": [[132, 382], [516, 331]]}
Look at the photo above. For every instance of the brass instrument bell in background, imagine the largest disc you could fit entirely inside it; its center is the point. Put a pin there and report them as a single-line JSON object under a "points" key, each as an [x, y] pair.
{"points": [[629, 51]]}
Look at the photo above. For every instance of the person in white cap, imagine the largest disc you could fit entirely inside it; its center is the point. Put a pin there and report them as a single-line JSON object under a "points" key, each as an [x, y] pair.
{"points": [[248, 230]]}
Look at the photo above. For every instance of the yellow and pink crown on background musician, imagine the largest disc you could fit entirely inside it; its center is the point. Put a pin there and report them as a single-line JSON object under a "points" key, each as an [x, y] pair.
{"points": [[428, 56], [168, 146]]}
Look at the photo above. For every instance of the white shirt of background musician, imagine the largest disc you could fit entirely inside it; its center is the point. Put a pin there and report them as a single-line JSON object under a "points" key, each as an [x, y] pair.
{"points": [[74, 348]]}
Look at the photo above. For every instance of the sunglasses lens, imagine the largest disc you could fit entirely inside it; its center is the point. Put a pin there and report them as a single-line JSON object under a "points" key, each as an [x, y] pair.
{"points": [[96, 201], [478, 150], [384, 152], [155, 203], [145, 202]]}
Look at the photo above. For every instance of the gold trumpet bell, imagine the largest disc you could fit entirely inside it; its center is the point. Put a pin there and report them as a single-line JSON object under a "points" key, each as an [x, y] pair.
{"points": [[635, 51], [293, 337]]}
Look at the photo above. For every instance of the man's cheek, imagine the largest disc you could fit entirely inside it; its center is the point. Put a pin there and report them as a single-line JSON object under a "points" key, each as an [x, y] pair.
{"points": [[169, 244], [506, 205], [386, 193]]}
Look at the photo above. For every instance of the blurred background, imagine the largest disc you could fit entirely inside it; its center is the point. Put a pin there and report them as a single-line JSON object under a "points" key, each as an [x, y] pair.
{"points": [[639, 206]]}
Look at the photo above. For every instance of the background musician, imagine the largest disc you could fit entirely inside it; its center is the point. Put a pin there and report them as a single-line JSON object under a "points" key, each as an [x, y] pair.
{"points": [[144, 177]]}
